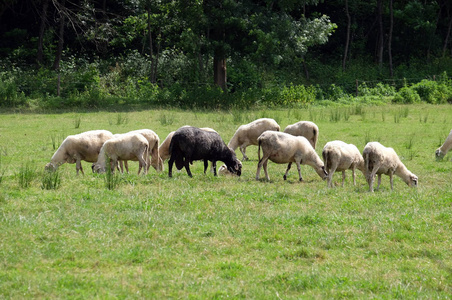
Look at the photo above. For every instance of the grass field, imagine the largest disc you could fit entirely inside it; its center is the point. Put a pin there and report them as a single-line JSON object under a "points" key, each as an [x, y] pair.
{"points": [[226, 237]]}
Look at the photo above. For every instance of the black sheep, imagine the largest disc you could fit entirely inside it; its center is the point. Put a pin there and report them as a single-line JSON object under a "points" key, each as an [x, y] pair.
{"points": [[190, 143]]}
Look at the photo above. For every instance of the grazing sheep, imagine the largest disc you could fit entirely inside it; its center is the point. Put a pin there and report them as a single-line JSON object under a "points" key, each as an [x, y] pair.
{"points": [[153, 140], [190, 143], [283, 148], [339, 156], [75, 148], [379, 160], [164, 146], [445, 147], [247, 134], [304, 128], [129, 146]]}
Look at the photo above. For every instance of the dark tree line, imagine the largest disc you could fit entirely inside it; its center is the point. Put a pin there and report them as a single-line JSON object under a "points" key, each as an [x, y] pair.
{"points": [[269, 35]]}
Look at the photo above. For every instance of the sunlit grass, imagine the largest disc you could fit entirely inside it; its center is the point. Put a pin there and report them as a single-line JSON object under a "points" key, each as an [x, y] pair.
{"points": [[216, 237]]}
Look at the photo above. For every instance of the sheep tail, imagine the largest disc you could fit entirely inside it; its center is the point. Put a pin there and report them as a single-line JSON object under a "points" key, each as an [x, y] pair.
{"points": [[315, 137], [259, 150], [325, 158]]}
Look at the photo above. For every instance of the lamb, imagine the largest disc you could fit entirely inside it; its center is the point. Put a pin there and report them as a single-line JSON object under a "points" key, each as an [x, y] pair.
{"points": [[190, 143], [304, 128], [247, 134], [445, 147], [380, 160], [153, 140], [75, 148], [129, 146], [283, 148], [339, 156]]}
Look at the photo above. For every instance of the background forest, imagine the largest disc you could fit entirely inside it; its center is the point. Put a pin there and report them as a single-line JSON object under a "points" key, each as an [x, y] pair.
{"points": [[223, 53]]}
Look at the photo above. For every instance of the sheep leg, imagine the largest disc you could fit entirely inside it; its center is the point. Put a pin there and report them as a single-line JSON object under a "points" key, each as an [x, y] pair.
{"points": [[353, 174], [391, 180], [343, 178], [330, 172], [206, 165], [148, 163], [379, 181], [287, 171], [170, 167], [142, 165], [299, 171], [243, 150], [78, 166], [187, 167], [265, 169], [214, 167], [262, 163], [371, 177], [330, 176]]}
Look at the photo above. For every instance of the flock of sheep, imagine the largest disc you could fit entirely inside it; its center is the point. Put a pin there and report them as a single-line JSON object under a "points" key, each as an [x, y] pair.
{"points": [[187, 144]]}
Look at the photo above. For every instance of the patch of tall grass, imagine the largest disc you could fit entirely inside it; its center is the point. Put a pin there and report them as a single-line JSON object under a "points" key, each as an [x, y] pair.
{"points": [[111, 178], [50, 180], [26, 174]]}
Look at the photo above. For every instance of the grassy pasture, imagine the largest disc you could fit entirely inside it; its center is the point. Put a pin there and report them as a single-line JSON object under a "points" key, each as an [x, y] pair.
{"points": [[226, 237]]}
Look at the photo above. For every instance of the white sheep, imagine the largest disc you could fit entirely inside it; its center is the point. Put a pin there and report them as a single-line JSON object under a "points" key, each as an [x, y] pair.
{"points": [[304, 128], [379, 159], [129, 146], [445, 147], [340, 156], [153, 159], [75, 148], [247, 134], [283, 148]]}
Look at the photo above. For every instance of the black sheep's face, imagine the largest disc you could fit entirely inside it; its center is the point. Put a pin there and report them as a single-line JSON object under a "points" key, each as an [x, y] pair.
{"points": [[236, 167]]}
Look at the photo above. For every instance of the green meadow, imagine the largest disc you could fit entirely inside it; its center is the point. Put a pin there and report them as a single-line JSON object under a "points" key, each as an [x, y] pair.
{"points": [[133, 236]]}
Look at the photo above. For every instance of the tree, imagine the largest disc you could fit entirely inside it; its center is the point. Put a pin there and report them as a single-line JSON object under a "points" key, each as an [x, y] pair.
{"points": [[62, 14], [266, 32], [347, 41]]}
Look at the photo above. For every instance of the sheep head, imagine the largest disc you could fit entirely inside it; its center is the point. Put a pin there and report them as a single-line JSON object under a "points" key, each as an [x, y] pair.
{"points": [[51, 167], [321, 172], [439, 154], [97, 168], [235, 167], [413, 180]]}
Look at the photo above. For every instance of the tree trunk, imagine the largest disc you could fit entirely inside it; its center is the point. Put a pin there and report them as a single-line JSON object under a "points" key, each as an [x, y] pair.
{"points": [[56, 63], [40, 54], [347, 41], [391, 27], [151, 48], [219, 69], [446, 40], [380, 35]]}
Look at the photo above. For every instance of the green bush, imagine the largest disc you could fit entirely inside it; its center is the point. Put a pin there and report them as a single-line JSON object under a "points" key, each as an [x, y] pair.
{"points": [[380, 89], [8, 92], [426, 90], [407, 95], [296, 95]]}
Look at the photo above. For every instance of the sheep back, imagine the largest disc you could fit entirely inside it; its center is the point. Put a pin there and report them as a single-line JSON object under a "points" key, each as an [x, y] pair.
{"points": [[248, 133], [304, 128]]}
